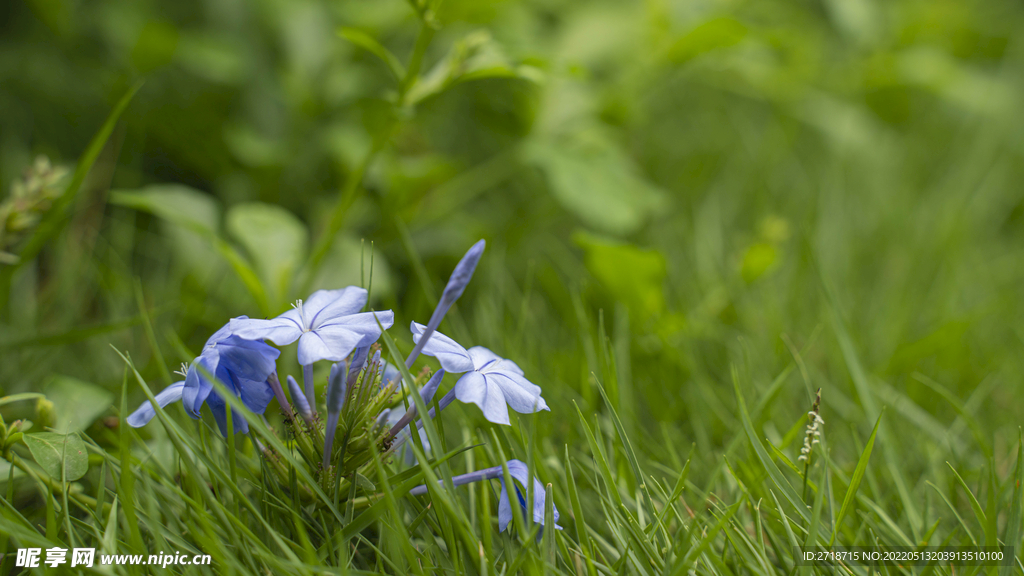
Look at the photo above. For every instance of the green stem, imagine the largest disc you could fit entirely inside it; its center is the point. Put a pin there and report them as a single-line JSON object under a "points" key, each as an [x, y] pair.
{"points": [[87, 503]]}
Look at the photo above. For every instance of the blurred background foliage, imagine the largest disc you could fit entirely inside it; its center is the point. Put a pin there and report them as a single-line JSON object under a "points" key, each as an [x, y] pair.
{"points": [[694, 177]]}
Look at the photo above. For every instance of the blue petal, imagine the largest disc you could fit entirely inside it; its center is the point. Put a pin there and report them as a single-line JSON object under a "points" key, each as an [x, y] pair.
{"points": [[324, 306], [146, 412], [255, 394], [248, 359], [520, 395], [520, 473], [282, 330], [475, 388], [332, 344], [452, 356], [219, 409], [197, 386]]}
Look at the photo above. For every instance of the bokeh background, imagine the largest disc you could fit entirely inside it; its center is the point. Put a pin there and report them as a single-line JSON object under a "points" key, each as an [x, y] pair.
{"points": [[709, 184]]}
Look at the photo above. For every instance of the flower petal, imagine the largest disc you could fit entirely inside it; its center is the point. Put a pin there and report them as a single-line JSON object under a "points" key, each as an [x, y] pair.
{"points": [[520, 472], [482, 356], [365, 323], [504, 508], [282, 330], [452, 356], [219, 409], [221, 334], [326, 305], [522, 395], [473, 387], [255, 394], [250, 359], [332, 343], [146, 412], [197, 386]]}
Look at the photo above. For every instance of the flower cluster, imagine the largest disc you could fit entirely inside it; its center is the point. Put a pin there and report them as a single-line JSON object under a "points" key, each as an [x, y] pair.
{"points": [[814, 421], [332, 326]]}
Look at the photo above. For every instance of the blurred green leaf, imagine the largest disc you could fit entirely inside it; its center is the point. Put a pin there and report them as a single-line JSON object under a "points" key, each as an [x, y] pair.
{"points": [[55, 451], [757, 260], [632, 275], [475, 57], [720, 32], [155, 46], [275, 240], [370, 44], [174, 203], [598, 185], [77, 403]]}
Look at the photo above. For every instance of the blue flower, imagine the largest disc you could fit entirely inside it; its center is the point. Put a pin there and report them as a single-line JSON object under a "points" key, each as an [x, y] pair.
{"points": [[328, 325], [489, 381], [243, 366], [520, 473]]}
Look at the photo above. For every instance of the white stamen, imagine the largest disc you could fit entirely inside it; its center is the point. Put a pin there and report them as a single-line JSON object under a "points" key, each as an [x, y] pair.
{"points": [[183, 372], [302, 315]]}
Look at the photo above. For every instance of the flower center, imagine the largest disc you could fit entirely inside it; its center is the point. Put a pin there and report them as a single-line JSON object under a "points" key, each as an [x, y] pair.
{"points": [[302, 315], [183, 371]]}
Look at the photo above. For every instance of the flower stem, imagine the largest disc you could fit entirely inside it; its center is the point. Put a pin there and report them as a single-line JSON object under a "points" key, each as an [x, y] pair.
{"points": [[307, 382]]}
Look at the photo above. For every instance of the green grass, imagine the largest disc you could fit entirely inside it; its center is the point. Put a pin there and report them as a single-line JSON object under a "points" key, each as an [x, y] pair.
{"points": [[696, 216]]}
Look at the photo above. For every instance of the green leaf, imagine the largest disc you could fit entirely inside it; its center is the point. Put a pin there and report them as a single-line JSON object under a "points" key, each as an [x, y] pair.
{"points": [[766, 462], [57, 217], [175, 203], [1012, 535], [275, 239], [858, 475], [632, 275], [979, 513], [21, 397], [77, 403], [598, 184], [371, 45], [708, 36], [54, 451]]}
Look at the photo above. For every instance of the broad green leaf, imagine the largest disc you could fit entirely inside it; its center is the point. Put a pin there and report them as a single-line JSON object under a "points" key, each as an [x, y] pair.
{"points": [[77, 403], [632, 275], [53, 451], [174, 203], [598, 184], [275, 240]]}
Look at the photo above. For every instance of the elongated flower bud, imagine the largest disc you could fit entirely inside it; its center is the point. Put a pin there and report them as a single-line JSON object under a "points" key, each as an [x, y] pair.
{"points": [[382, 420], [427, 393], [455, 287], [299, 399], [358, 361], [336, 387]]}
